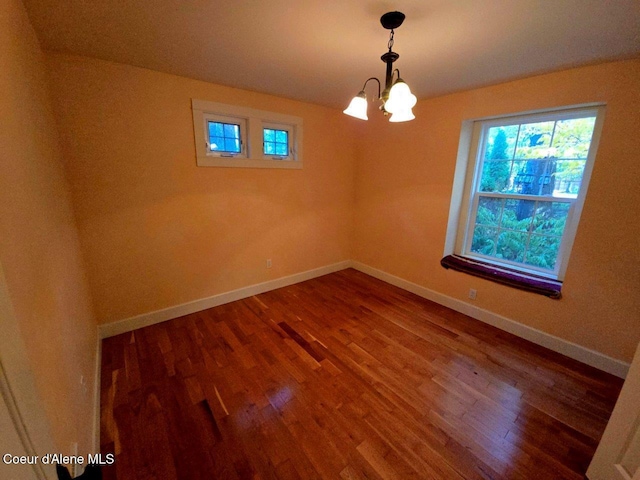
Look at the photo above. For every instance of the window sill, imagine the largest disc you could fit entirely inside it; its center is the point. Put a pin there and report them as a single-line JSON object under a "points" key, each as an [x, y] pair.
{"points": [[505, 276], [214, 161]]}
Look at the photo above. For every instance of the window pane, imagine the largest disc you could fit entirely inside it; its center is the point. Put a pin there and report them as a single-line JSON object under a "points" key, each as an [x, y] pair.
{"points": [[216, 143], [535, 177], [511, 245], [572, 138], [232, 145], [281, 136], [484, 240], [543, 251], [534, 140], [269, 135], [215, 129], [517, 215], [282, 149], [489, 211], [495, 176], [269, 148], [231, 131], [551, 218], [501, 142], [568, 178]]}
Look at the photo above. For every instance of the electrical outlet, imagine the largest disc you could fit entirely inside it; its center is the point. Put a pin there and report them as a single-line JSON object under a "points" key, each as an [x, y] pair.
{"points": [[473, 293], [268, 263]]}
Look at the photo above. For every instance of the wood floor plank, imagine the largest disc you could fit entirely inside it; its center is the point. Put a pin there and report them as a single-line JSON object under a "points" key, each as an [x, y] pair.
{"points": [[344, 376]]}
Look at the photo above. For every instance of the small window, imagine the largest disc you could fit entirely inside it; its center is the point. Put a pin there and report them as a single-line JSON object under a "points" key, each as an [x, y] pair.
{"points": [[276, 141], [225, 136], [525, 184]]}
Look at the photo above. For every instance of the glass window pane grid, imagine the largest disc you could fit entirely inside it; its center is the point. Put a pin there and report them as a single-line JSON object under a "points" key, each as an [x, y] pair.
{"points": [[276, 142], [573, 144], [521, 151], [500, 236], [224, 137], [519, 265], [503, 149]]}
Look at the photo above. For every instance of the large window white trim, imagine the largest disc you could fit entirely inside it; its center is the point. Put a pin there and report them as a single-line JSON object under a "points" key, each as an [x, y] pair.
{"points": [[465, 195], [252, 155]]}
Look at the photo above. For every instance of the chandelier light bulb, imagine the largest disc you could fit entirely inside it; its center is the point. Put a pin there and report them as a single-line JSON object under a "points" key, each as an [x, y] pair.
{"points": [[358, 107], [402, 116], [400, 99]]}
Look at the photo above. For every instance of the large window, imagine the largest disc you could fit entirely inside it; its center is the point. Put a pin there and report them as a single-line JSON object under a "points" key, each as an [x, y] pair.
{"points": [[524, 188]]}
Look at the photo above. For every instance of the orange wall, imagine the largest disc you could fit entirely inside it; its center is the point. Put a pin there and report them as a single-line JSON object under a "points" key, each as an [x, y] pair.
{"points": [[39, 248], [404, 177], [157, 230]]}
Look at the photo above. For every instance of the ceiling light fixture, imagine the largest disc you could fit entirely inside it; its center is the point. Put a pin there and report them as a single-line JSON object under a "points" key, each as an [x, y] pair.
{"points": [[396, 97]]}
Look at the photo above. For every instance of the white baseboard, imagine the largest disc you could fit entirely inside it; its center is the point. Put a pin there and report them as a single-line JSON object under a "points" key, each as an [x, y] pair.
{"points": [[146, 319], [570, 349], [565, 347]]}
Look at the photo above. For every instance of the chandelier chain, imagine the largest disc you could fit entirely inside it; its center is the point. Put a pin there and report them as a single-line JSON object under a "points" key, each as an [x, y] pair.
{"points": [[390, 44]]}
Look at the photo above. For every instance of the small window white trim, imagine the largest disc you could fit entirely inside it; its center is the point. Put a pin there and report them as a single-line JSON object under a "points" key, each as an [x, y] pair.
{"points": [[252, 155], [291, 136], [242, 122], [469, 161]]}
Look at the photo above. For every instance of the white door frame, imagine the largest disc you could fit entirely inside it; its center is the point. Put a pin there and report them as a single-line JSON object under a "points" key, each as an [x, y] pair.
{"points": [[620, 441], [17, 388]]}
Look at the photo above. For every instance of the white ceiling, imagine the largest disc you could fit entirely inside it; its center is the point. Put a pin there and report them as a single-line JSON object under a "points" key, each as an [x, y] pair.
{"points": [[322, 51]]}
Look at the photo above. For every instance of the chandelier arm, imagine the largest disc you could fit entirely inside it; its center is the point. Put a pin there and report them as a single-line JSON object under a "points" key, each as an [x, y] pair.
{"points": [[367, 81]]}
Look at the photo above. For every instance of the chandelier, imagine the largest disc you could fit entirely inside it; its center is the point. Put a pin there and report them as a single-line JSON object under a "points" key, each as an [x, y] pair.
{"points": [[396, 97]]}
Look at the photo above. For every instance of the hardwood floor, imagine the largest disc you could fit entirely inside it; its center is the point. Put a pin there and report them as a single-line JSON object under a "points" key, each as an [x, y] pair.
{"points": [[344, 376]]}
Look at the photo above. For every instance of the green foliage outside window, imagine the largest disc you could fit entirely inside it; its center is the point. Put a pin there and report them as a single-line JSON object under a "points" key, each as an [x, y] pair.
{"points": [[495, 175], [543, 159], [534, 240]]}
